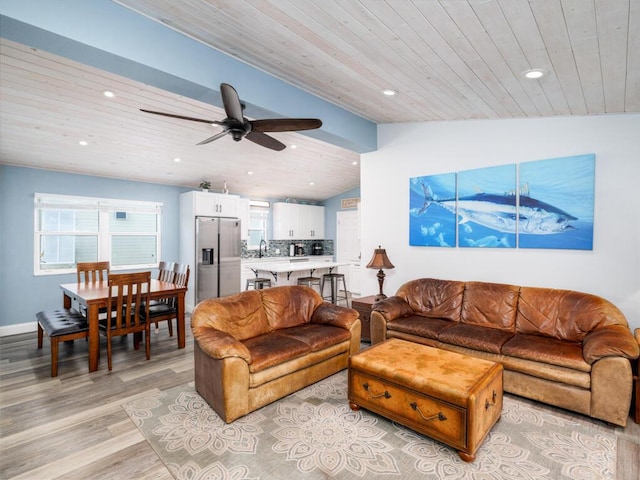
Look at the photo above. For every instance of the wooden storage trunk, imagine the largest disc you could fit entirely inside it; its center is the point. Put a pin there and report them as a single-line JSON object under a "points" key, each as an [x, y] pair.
{"points": [[450, 397]]}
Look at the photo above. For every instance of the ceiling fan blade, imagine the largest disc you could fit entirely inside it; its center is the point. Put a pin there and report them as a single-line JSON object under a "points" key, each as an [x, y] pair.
{"points": [[231, 102], [215, 137], [285, 124], [182, 117], [265, 140]]}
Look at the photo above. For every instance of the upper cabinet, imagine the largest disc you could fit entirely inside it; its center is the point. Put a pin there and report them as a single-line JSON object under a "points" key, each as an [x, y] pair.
{"points": [[211, 204], [293, 221]]}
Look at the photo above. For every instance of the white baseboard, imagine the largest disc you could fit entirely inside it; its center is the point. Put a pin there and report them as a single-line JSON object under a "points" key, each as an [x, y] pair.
{"points": [[18, 328]]}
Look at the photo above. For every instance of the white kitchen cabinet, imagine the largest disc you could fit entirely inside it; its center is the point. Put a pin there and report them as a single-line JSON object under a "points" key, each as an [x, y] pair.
{"points": [[312, 222], [293, 221], [244, 215], [212, 204]]}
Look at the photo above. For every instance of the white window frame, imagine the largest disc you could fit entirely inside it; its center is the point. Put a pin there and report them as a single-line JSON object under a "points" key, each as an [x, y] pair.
{"points": [[264, 210], [105, 207]]}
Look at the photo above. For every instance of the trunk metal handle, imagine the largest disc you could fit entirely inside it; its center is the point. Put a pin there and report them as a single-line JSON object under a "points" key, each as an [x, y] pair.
{"points": [[439, 416], [488, 404], [386, 394]]}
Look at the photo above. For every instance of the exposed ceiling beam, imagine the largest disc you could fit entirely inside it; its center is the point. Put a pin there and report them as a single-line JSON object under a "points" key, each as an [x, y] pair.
{"points": [[149, 52]]}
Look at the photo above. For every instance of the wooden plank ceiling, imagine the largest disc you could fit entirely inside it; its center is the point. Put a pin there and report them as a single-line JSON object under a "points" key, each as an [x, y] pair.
{"points": [[447, 59]]}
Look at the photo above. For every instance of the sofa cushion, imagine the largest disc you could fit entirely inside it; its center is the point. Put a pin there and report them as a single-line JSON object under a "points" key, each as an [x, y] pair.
{"points": [[491, 305], [531, 368], [290, 306], [317, 336], [272, 349], [420, 326], [547, 350], [434, 298], [475, 337], [241, 316], [564, 314]]}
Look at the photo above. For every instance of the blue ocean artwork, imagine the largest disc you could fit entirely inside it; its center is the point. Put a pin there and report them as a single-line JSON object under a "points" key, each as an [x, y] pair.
{"points": [[557, 203], [432, 227], [486, 207]]}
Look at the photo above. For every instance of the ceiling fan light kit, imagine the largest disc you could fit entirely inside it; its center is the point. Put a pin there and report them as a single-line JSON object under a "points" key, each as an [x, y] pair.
{"points": [[239, 127]]}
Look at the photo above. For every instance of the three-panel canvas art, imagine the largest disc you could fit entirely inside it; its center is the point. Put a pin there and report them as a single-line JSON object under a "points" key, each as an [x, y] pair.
{"points": [[539, 204]]}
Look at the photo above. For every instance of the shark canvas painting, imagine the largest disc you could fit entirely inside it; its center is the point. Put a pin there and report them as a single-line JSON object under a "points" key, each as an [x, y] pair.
{"points": [[556, 198], [552, 207], [487, 207], [432, 227]]}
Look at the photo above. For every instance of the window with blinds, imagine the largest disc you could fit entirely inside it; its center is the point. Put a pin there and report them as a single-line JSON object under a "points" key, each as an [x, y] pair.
{"points": [[258, 224], [70, 229]]}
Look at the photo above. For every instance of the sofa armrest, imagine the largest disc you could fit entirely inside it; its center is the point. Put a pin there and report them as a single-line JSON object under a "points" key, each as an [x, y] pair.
{"points": [[392, 308], [218, 344], [609, 341], [334, 315]]}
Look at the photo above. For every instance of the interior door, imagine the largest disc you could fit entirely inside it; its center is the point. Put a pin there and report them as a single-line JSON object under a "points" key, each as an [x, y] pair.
{"points": [[347, 236]]}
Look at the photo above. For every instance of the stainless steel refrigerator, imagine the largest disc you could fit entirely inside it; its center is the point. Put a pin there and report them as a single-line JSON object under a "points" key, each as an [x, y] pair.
{"points": [[218, 250]]}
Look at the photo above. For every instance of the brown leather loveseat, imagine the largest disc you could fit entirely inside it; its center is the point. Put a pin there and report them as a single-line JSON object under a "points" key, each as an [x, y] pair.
{"points": [[261, 345], [561, 347]]}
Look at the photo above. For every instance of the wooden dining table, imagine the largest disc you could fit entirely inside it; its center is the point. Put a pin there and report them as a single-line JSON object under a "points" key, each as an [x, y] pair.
{"points": [[95, 295]]}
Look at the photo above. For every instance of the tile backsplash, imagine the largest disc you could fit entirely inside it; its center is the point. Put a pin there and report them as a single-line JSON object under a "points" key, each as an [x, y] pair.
{"points": [[283, 247]]}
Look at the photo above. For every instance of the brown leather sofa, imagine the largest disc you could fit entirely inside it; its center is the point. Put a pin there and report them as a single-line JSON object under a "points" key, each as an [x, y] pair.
{"points": [[261, 345], [560, 347]]}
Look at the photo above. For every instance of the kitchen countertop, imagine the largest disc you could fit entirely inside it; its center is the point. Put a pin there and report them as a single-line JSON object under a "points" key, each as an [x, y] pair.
{"points": [[301, 259]]}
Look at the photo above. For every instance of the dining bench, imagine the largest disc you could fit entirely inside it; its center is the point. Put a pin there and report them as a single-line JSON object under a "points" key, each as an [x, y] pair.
{"points": [[60, 325]]}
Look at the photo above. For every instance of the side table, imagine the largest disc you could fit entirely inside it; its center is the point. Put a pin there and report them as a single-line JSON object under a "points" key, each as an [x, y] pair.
{"points": [[363, 306]]}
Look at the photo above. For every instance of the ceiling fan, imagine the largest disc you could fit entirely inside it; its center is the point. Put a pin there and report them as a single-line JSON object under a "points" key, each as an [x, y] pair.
{"points": [[240, 127]]}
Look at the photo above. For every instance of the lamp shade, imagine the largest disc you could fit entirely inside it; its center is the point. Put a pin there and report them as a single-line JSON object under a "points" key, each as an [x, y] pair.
{"points": [[380, 259]]}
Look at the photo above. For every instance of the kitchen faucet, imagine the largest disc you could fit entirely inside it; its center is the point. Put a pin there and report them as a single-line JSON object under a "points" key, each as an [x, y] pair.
{"points": [[260, 248]]}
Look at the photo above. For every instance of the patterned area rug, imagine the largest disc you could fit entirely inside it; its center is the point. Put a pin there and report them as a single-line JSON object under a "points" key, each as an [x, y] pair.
{"points": [[313, 434]]}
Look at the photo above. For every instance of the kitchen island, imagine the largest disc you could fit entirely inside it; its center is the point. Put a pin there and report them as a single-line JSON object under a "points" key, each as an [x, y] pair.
{"points": [[274, 268]]}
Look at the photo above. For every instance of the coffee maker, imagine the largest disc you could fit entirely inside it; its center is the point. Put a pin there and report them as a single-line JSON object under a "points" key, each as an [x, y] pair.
{"points": [[317, 249], [299, 249]]}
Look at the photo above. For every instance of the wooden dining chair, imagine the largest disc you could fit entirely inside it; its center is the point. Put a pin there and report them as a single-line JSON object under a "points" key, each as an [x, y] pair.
{"points": [[128, 293], [165, 271], [92, 272], [167, 309], [165, 274]]}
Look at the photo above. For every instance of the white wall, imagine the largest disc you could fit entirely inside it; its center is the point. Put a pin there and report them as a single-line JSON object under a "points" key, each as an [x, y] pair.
{"points": [[611, 269]]}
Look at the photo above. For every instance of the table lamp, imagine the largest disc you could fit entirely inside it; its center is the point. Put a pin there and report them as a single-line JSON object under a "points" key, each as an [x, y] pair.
{"points": [[380, 261]]}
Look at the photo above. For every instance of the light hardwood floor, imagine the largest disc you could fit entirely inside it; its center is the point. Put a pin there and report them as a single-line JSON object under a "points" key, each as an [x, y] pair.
{"points": [[74, 427]]}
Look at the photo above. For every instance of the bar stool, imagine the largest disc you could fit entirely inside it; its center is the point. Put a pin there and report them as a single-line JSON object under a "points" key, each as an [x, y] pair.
{"points": [[258, 283], [334, 279], [310, 282]]}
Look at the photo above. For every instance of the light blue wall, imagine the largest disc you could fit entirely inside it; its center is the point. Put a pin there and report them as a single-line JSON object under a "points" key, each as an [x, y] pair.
{"points": [[21, 293], [332, 206]]}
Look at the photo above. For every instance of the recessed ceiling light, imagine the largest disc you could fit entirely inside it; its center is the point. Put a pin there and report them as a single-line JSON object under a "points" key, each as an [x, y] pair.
{"points": [[354, 163], [177, 159], [293, 146], [534, 73], [249, 173], [84, 143], [389, 92], [108, 94], [312, 183]]}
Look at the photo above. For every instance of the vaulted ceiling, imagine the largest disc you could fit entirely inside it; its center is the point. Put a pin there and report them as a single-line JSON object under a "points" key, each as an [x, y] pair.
{"points": [[446, 59]]}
